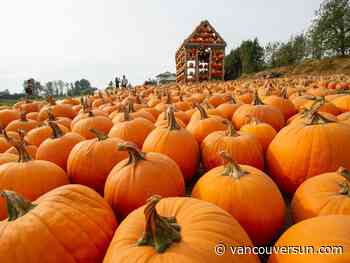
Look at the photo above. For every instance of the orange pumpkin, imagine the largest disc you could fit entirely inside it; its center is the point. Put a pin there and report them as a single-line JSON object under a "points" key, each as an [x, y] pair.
{"points": [[58, 110], [167, 140], [324, 234], [242, 147], [57, 148], [133, 130], [30, 178], [22, 124], [4, 144], [342, 103], [134, 180], [7, 116], [182, 229], [248, 194], [264, 132], [307, 149], [326, 194], [205, 125], [53, 221], [265, 113], [90, 161], [7, 158], [282, 103], [228, 109]]}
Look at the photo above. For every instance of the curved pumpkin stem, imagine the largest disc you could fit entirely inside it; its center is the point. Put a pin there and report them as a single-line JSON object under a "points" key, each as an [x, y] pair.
{"points": [[126, 114], [50, 115], [99, 135], [202, 111], [345, 187], [17, 206], [23, 116], [232, 168], [284, 93], [56, 131], [135, 154], [130, 106], [172, 124], [232, 100], [231, 131], [313, 116], [161, 232], [257, 100]]}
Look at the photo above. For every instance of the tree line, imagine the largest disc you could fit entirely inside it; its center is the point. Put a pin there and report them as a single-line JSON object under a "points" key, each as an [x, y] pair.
{"points": [[328, 35]]}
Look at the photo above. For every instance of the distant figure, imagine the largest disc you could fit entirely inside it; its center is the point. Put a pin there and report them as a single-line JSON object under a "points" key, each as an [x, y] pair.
{"points": [[124, 82], [117, 82]]}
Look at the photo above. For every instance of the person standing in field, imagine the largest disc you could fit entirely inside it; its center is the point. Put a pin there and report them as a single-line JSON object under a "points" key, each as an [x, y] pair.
{"points": [[117, 82], [124, 82]]}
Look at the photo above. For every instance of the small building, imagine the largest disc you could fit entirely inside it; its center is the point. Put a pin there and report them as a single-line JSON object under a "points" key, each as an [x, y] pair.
{"points": [[166, 77], [201, 56]]}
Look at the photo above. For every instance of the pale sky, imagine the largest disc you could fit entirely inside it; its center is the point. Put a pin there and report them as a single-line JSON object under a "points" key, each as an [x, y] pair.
{"points": [[98, 39]]}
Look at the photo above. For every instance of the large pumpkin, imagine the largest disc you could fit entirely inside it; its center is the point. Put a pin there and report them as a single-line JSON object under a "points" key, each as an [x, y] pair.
{"points": [[306, 149], [90, 161], [37, 135], [168, 141], [22, 124], [57, 148], [242, 147], [30, 178], [7, 116], [248, 194], [324, 239], [134, 180], [69, 224], [182, 230], [326, 194]]}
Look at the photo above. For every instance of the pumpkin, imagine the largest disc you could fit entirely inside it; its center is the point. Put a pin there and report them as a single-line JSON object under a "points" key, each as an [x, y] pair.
{"points": [[69, 224], [325, 232], [307, 149], [7, 116], [326, 194], [205, 125], [22, 124], [342, 103], [30, 178], [57, 148], [242, 147], [248, 194], [134, 180], [167, 141], [264, 132], [178, 114], [4, 144], [177, 230], [327, 107], [228, 109], [90, 161], [40, 134], [84, 126], [31, 149], [282, 103], [265, 113], [134, 130], [7, 157], [58, 110]]}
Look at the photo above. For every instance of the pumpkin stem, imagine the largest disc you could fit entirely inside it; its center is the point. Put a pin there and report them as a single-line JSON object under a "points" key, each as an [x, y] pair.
{"points": [[284, 93], [24, 116], [344, 188], [232, 100], [131, 107], [232, 168], [172, 123], [135, 154], [160, 232], [20, 146], [231, 131], [17, 206], [313, 117], [50, 115], [99, 135], [257, 100], [56, 131], [202, 111], [344, 172]]}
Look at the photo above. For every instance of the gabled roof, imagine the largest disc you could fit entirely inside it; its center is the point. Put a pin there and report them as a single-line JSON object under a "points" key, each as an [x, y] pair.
{"points": [[204, 34]]}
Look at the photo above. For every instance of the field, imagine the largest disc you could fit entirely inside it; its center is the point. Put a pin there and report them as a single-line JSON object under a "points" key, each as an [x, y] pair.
{"points": [[187, 170]]}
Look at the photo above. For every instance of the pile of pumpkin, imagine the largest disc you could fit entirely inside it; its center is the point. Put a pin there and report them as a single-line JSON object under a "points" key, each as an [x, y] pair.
{"points": [[104, 178]]}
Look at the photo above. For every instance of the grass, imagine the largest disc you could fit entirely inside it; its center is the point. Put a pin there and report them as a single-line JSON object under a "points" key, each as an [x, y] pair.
{"points": [[4, 102]]}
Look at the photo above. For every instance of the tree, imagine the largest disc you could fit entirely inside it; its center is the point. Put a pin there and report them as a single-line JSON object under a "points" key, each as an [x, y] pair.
{"points": [[331, 27], [233, 65]]}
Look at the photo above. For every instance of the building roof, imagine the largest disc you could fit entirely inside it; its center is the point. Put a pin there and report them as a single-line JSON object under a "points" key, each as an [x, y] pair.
{"points": [[166, 74], [204, 34]]}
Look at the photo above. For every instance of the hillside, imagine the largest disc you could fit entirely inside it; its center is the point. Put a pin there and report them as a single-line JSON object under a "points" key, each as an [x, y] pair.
{"points": [[329, 66]]}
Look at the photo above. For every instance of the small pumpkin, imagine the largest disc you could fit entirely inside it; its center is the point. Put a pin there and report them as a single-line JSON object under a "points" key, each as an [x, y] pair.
{"points": [[90, 162], [142, 175], [8, 115], [167, 141]]}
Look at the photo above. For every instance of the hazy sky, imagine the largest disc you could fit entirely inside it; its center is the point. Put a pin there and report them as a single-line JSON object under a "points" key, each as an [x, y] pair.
{"points": [[97, 39]]}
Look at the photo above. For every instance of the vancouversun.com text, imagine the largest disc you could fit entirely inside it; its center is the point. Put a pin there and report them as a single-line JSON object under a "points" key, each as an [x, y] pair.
{"points": [[221, 249]]}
